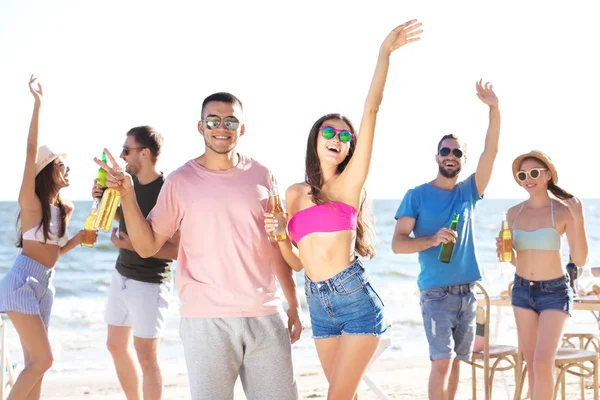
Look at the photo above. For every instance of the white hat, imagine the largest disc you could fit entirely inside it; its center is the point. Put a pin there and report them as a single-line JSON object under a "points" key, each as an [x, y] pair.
{"points": [[45, 157]]}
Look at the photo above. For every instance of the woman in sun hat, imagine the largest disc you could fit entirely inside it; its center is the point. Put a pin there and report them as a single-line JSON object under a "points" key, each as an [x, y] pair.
{"points": [[541, 296], [26, 290]]}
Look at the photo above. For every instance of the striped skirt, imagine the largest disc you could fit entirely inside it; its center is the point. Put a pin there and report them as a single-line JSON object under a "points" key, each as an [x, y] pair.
{"points": [[27, 289]]}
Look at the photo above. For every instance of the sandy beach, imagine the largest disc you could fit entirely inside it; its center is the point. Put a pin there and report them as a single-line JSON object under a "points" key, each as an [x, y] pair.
{"points": [[398, 379]]}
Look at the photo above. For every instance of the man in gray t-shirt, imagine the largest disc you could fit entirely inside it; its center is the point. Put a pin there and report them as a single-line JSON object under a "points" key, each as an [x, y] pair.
{"points": [[138, 297]]}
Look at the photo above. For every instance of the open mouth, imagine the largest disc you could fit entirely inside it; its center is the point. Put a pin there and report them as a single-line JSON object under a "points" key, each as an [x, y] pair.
{"points": [[530, 185], [221, 137], [333, 149], [450, 164]]}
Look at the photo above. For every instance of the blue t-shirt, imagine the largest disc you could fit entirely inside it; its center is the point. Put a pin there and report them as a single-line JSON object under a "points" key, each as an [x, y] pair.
{"points": [[432, 208]]}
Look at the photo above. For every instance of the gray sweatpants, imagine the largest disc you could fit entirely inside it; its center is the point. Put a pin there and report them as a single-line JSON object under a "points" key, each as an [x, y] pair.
{"points": [[257, 349]]}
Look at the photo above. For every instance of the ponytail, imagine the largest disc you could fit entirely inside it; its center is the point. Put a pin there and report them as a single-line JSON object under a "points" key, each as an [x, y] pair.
{"points": [[559, 192]]}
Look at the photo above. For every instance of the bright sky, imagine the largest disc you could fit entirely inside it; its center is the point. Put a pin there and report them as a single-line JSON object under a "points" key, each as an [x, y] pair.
{"points": [[111, 65]]}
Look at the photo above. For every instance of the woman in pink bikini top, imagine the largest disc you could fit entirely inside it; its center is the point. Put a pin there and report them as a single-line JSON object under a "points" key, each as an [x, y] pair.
{"points": [[328, 228]]}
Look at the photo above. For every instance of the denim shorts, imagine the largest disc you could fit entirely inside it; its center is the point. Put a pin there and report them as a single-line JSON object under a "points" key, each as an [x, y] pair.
{"points": [[554, 294], [449, 321], [345, 304]]}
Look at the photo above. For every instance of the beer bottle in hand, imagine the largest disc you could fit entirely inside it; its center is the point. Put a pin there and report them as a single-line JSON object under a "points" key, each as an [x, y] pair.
{"points": [[276, 209], [447, 249]]}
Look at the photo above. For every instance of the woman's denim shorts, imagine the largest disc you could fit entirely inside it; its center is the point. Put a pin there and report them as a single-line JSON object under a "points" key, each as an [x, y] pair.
{"points": [[345, 304], [554, 294]]}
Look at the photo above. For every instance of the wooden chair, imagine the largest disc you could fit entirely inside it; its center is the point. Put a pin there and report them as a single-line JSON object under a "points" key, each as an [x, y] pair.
{"points": [[582, 341], [577, 362], [493, 357]]}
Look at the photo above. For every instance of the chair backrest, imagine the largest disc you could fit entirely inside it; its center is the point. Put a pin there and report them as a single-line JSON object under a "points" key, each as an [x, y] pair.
{"points": [[483, 318]]}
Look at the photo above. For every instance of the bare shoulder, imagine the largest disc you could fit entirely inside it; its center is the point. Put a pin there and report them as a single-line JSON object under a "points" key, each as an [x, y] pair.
{"points": [[69, 206], [511, 214], [561, 212], [298, 189], [294, 195]]}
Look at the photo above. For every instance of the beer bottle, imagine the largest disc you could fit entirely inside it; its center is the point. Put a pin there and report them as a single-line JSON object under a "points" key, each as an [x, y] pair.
{"points": [[275, 208], [447, 249], [89, 234], [102, 172], [109, 203], [507, 242]]}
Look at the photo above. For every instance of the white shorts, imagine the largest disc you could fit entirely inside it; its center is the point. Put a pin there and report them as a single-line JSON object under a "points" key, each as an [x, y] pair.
{"points": [[140, 305]]}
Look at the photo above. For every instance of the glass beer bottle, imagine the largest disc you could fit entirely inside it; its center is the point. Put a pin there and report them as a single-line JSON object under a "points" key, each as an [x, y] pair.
{"points": [[102, 172], [447, 249], [108, 205], [506, 240], [89, 234], [275, 208]]}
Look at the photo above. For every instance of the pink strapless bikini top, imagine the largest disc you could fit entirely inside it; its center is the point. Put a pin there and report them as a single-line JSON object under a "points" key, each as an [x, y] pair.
{"points": [[333, 216]]}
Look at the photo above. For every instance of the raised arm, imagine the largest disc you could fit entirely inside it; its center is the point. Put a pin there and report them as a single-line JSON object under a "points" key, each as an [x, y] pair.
{"points": [[145, 241], [27, 197], [356, 172], [576, 236], [486, 161]]}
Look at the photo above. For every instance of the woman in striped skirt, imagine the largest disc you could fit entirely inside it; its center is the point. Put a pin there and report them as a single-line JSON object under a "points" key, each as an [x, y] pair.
{"points": [[26, 291]]}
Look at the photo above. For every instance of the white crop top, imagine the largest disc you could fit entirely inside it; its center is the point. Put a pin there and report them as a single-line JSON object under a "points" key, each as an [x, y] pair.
{"points": [[36, 233]]}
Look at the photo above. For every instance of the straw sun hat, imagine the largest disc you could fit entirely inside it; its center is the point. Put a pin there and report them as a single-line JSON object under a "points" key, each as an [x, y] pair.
{"points": [[45, 157]]}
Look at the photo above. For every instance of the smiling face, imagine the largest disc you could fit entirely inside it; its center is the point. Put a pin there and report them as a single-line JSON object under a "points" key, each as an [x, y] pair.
{"points": [[450, 158], [134, 155], [61, 173], [333, 151], [536, 176], [223, 138]]}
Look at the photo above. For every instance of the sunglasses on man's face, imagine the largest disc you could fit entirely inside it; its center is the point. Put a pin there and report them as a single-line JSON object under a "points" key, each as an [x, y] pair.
{"points": [[329, 132], [126, 150], [213, 122], [444, 151], [533, 173]]}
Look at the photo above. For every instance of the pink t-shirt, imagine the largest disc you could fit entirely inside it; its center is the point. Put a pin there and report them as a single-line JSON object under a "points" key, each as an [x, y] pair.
{"points": [[225, 266]]}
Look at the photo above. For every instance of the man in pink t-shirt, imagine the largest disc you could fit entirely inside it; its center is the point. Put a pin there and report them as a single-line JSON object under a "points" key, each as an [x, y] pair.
{"points": [[231, 317]]}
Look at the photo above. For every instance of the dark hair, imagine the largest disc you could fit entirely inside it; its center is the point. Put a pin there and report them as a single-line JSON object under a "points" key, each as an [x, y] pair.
{"points": [[313, 178], [556, 190], [451, 136], [45, 188], [221, 97], [148, 137]]}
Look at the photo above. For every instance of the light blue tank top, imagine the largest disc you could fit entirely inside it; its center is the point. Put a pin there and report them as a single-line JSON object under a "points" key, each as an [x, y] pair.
{"points": [[540, 239]]}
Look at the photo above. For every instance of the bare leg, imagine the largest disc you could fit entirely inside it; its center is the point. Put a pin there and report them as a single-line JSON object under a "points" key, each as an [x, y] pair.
{"points": [[527, 330], [439, 379], [37, 355], [147, 353], [352, 358], [453, 381], [551, 324], [327, 350], [118, 345]]}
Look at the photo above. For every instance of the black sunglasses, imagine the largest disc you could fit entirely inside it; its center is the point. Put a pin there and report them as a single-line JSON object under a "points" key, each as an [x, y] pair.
{"points": [[125, 151], [213, 122], [444, 151]]}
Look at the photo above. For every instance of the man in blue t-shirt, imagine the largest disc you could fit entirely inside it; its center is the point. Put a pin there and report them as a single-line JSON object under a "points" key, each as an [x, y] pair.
{"points": [[447, 302]]}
